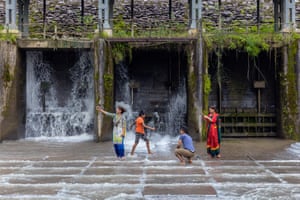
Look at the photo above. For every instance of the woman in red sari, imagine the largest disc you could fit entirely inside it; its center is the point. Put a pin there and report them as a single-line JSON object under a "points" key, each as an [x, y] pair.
{"points": [[213, 133]]}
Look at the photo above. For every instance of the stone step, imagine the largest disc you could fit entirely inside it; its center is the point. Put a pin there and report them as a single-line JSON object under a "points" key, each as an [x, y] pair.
{"points": [[65, 171]]}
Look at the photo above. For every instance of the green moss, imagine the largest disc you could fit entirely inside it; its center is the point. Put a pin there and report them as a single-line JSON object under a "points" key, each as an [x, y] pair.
{"points": [[206, 77], [192, 82], [119, 52], [289, 100], [108, 90], [206, 84], [96, 77], [6, 76], [108, 79], [192, 90]]}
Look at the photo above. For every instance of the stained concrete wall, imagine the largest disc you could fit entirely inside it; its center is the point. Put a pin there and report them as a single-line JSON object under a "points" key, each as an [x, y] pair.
{"points": [[104, 89], [12, 109], [2, 11], [67, 13], [298, 88]]}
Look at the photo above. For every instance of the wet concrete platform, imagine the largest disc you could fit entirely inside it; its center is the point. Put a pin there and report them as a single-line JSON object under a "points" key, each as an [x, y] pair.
{"points": [[249, 169]]}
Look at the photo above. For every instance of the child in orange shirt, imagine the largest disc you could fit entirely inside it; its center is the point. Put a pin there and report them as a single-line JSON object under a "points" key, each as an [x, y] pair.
{"points": [[140, 132]]}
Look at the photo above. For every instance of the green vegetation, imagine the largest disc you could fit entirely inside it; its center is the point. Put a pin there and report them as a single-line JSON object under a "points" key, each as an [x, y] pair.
{"points": [[6, 76], [108, 77], [6, 36], [119, 52], [160, 29], [249, 39], [254, 40]]}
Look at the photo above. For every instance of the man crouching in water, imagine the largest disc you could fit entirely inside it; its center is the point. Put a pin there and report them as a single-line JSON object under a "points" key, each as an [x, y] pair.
{"points": [[185, 147]]}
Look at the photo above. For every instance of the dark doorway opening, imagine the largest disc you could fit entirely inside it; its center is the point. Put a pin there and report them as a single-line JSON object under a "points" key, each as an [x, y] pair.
{"points": [[156, 84], [244, 91]]}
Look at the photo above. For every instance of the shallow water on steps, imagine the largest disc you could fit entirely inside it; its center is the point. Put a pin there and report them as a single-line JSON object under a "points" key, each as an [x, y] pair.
{"points": [[81, 169]]}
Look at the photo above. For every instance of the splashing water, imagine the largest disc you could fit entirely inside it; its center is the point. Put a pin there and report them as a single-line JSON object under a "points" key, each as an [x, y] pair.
{"points": [[295, 149], [177, 111], [58, 106], [167, 117]]}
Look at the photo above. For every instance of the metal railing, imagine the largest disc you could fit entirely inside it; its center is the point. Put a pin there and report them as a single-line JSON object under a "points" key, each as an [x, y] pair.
{"points": [[153, 28], [120, 29]]}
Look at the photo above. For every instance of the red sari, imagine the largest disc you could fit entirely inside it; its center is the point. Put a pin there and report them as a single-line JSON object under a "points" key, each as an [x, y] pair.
{"points": [[213, 136]]}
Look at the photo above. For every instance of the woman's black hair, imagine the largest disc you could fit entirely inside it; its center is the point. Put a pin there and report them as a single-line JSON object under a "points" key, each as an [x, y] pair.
{"points": [[141, 113], [184, 129], [122, 109], [213, 107]]}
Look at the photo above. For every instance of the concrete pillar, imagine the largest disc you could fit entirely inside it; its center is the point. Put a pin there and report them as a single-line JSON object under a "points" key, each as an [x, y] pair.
{"points": [[277, 14], [24, 17], [284, 14], [289, 14], [104, 89], [195, 12], [200, 55], [10, 14], [105, 13], [298, 88]]}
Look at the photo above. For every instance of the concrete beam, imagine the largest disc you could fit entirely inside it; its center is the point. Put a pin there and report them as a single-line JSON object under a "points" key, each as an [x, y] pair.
{"points": [[53, 44]]}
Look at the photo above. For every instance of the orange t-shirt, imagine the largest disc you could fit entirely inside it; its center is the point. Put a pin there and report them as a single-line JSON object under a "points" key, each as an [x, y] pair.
{"points": [[139, 125]]}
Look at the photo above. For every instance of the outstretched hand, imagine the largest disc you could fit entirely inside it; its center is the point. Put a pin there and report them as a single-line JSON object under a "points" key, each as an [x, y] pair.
{"points": [[98, 108]]}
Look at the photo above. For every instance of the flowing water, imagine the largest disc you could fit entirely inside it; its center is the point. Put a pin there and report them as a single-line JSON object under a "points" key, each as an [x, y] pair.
{"points": [[295, 149], [166, 109], [59, 108], [60, 99]]}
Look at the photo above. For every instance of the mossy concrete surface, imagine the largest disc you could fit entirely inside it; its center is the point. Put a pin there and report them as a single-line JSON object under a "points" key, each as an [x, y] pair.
{"points": [[288, 109], [11, 90], [54, 44]]}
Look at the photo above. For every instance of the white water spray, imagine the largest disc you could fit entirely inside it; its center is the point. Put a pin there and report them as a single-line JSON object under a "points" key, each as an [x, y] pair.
{"points": [[55, 109], [168, 118], [177, 111]]}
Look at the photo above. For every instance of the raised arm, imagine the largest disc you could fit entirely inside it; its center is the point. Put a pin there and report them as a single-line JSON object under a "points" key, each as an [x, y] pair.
{"points": [[213, 119], [148, 127], [98, 108]]}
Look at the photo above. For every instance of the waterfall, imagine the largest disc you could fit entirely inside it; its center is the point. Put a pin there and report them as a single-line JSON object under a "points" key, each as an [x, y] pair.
{"points": [[170, 108], [177, 110], [60, 100], [122, 85]]}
